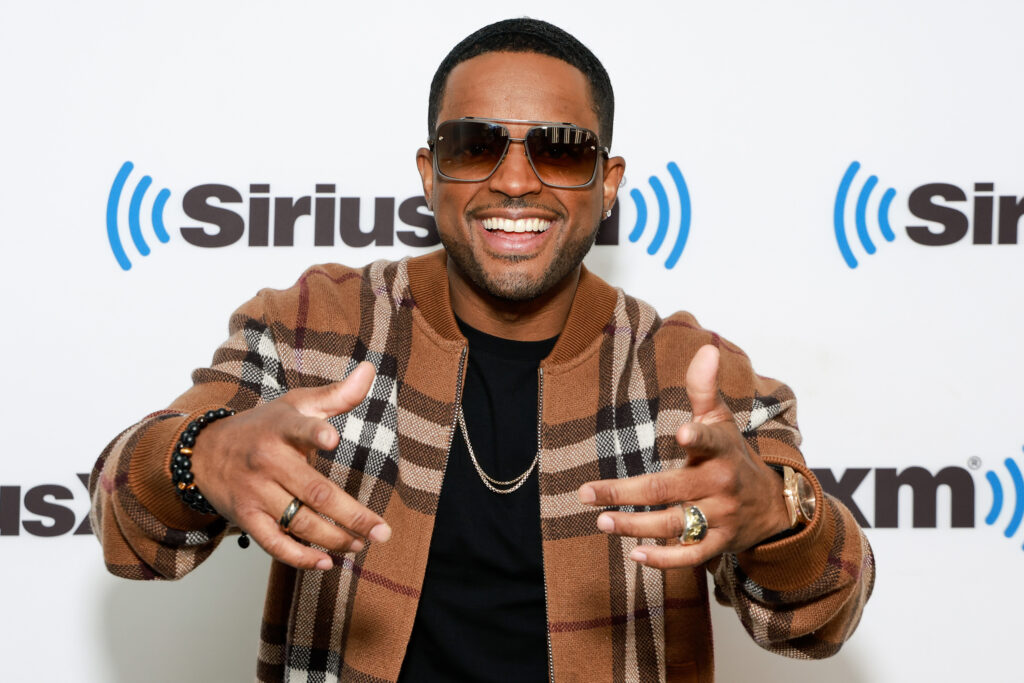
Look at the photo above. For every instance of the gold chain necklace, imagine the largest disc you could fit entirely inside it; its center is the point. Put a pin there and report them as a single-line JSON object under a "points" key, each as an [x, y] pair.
{"points": [[490, 482]]}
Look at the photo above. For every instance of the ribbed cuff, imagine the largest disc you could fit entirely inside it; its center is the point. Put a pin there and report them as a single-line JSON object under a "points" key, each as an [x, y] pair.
{"points": [[149, 474], [798, 560]]}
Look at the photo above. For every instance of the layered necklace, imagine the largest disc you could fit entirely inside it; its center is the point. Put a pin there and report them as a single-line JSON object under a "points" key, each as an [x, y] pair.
{"points": [[490, 482]]}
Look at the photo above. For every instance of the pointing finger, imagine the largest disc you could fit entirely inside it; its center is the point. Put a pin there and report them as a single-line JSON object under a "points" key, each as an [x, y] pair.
{"points": [[672, 556], [667, 523], [660, 488], [339, 397], [702, 382], [324, 496], [704, 440], [307, 524], [309, 432], [268, 534]]}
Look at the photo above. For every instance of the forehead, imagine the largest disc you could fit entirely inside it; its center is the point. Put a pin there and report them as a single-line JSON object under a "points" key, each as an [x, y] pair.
{"points": [[518, 85]]}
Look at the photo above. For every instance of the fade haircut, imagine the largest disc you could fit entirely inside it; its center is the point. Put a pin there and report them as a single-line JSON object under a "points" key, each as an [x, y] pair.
{"points": [[529, 35]]}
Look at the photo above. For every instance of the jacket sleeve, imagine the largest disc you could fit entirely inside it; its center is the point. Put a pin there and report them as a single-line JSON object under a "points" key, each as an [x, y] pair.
{"points": [[145, 529], [800, 596]]}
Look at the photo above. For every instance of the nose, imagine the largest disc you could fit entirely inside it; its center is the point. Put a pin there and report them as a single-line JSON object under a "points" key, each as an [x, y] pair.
{"points": [[515, 177]]}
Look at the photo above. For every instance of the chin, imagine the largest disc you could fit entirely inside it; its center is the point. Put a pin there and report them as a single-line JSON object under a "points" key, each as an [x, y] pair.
{"points": [[513, 283], [514, 286]]}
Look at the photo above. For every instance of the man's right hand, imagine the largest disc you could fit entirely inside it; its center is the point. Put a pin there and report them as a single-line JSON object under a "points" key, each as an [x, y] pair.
{"points": [[250, 467]]}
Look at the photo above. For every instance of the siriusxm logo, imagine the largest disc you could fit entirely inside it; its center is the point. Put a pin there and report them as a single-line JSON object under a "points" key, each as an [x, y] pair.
{"points": [[268, 220], [50, 517], [932, 202], [924, 487], [227, 215], [661, 232]]}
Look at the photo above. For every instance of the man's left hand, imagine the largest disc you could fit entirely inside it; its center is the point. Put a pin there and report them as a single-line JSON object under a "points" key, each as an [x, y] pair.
{"points": [[740, 496]]}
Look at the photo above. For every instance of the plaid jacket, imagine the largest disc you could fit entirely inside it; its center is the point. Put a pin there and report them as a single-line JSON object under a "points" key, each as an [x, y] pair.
{"points": [[611, 399]]}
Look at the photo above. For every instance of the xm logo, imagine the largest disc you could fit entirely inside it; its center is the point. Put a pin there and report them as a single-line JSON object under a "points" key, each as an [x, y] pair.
{"points": [[924, 487], [228, 215], [941, 204]]}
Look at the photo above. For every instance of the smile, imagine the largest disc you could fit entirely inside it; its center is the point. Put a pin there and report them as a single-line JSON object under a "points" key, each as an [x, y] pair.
{"points": [[517, 225]]}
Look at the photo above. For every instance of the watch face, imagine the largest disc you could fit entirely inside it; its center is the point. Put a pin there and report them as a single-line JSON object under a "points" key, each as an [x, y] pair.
{"points": [[805, 496]]}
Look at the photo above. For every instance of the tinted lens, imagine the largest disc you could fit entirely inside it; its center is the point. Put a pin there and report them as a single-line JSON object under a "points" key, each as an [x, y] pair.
{"points": [[563, 155], [469, 150]]}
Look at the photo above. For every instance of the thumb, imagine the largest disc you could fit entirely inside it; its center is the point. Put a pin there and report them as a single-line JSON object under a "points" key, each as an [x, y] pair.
{"points": [[702, 382], [340, 397]]}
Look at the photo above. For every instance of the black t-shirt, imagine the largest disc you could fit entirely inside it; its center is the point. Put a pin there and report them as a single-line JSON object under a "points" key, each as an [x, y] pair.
{"points": [[481, 613]]}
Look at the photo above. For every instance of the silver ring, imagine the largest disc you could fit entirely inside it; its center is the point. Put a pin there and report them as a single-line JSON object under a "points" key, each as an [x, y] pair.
{"points": [[695, 528], [289, 513]]}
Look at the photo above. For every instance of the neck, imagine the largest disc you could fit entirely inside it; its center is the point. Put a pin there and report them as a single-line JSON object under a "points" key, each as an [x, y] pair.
{"points": [[540, 318]]}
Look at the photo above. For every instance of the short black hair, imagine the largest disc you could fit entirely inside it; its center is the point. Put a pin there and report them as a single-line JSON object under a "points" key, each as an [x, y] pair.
{"points": [[530, 35]]}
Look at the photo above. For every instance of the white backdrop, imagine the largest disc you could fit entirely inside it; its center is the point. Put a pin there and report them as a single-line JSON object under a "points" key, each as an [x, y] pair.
{"points": [[905, 361]]}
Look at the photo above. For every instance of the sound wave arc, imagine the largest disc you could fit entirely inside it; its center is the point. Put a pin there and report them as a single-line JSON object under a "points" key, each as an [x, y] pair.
{"points": [[641, 215], [1018, 487], [861, 217], [997, 498], [113, 200], [838, 219], [684, 217], [662, 229]]}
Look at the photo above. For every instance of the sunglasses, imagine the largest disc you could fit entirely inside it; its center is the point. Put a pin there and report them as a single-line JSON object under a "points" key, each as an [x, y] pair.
{"points": [[470, 149]]}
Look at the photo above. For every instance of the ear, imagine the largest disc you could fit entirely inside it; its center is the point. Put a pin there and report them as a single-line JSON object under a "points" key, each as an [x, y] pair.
{"points": [[614, 168], [425, 164]]}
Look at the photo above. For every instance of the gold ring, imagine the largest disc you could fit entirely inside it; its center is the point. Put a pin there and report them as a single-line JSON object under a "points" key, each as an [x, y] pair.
{"points": [[289, 513], [695, 527]]}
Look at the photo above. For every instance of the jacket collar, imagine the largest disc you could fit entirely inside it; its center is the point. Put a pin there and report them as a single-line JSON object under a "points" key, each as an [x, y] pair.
{"points": [[591, 310]]}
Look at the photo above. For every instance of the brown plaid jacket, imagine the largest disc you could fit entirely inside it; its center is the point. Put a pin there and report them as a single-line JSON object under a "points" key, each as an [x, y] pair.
{"points": [[612, 399]]}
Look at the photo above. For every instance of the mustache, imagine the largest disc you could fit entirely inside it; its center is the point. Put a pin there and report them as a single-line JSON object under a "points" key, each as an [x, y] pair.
{"points": [[517, 203]]}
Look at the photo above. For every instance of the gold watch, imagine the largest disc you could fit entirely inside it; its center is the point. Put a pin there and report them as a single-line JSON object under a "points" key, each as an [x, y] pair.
{"points": [[799, 496]]}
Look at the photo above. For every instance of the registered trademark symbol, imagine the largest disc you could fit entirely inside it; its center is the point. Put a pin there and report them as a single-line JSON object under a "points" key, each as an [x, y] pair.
{"points": [[974, 462]]}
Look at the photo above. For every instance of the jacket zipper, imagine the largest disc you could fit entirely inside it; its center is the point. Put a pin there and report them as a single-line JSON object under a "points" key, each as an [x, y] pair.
{"points": [[540, 419], [544, 574], [458, 402]]}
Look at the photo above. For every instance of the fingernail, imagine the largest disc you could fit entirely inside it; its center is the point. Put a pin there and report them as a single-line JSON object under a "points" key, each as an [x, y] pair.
{"points": [[638, 556], [685, 435], [587, 495], [324, 563], [606, 524], [323, 439], [380, 533], [356, 546]]}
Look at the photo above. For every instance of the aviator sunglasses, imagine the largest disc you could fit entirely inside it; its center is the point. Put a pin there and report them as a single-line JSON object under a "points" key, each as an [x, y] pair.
{"points": [[470, 149]]}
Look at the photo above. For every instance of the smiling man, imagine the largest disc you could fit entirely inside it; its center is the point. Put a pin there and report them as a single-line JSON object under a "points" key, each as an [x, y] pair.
{"points": [[542, 471]]}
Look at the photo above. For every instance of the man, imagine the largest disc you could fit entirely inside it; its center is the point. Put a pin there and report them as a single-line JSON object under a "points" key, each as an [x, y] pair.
{"points": [[476, 515]]}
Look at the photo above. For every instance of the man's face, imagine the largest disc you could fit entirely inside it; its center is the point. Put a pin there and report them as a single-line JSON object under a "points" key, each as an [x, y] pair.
{"points": [[477, 220]]}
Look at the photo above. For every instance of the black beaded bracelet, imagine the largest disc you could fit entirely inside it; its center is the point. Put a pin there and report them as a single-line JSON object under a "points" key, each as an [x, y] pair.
{"points": [[181, 462]]}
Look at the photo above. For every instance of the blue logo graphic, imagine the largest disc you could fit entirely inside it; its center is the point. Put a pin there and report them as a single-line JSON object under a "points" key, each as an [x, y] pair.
{"points": [[134, 223], [997, 498], [661, 232], [839, 220]]}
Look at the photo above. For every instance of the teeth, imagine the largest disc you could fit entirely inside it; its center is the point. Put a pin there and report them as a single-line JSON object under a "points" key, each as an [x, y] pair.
{"points": [[519, 225]]}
